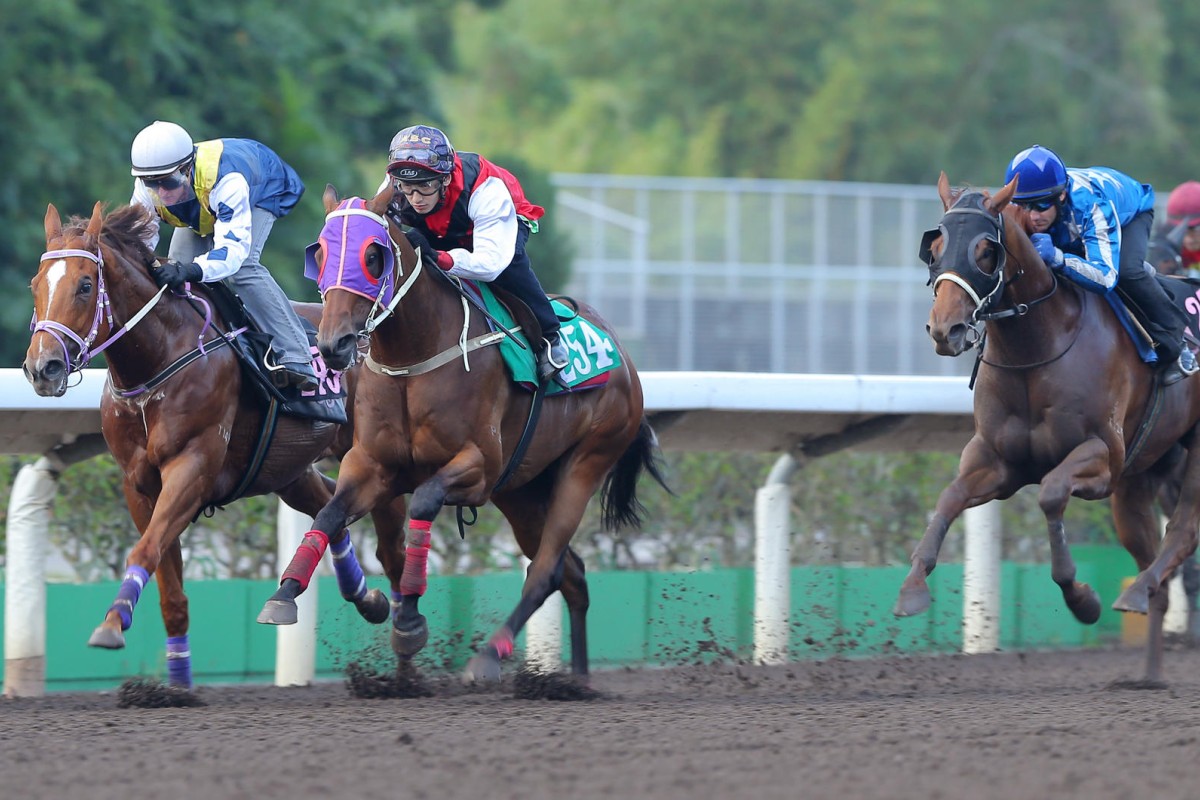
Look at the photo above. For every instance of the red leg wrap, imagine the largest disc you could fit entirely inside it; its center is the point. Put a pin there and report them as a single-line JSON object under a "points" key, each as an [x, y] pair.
{"points": [[502, 640], [416, 555], [308, 556]]}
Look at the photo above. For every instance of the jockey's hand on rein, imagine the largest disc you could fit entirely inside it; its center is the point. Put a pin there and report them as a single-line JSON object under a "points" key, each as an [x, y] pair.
{"points": [[435, 258], [175, 275], [1046, 249]]}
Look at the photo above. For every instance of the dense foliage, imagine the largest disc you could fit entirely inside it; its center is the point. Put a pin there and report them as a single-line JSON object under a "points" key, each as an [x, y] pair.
{"points": [[866, 90]]}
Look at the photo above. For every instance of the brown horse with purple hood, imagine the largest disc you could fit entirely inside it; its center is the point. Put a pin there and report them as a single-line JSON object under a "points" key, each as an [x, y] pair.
{"points": [[438, 417]]}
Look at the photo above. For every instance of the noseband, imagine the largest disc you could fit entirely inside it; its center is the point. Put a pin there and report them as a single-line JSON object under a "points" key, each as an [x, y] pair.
{"points": [[57, 330], [963, 227], [386, 295]]}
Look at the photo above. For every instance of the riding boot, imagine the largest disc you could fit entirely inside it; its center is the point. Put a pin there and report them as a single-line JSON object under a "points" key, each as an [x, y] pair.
{"points": [[552, 359], [1165, 322]]}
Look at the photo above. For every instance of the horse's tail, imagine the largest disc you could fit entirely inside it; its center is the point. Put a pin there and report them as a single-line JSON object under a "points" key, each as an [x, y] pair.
{"points": [[619, 505]]}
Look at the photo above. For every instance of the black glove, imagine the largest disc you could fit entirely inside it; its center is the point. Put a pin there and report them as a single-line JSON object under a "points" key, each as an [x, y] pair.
{"points": [[175, 275], [419, 242]]}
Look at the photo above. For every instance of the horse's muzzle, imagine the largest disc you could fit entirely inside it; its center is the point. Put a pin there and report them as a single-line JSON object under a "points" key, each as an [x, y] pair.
{"points": [[49, 379], [952, 340], [340, 353]]}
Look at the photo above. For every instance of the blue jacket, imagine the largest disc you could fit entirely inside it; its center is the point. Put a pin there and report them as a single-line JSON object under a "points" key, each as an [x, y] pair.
{"points": [[1088, 230]]}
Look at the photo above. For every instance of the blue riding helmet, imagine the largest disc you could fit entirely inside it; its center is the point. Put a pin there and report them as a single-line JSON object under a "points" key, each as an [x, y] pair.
{"points": [[420, 153], [1042, 174]]}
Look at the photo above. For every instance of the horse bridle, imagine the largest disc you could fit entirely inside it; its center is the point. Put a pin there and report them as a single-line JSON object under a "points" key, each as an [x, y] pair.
{"points": [[57, 330], [984, 288], [383, 306]]}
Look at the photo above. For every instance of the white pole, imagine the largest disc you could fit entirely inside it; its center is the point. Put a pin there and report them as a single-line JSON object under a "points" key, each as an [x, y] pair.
{"points": [[543, 634], [296, 645], [981, 579], [29, 508], [772, 565]]}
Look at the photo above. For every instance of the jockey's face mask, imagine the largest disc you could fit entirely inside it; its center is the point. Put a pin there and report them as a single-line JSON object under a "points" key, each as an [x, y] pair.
{"points": [[173, 188]]}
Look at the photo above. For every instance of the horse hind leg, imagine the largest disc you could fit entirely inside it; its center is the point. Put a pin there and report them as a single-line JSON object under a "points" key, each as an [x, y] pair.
{"points": [[544, 533]]}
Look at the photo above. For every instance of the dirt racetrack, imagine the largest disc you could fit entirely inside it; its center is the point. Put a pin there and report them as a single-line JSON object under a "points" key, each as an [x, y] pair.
{"points": [[1010, 726]]}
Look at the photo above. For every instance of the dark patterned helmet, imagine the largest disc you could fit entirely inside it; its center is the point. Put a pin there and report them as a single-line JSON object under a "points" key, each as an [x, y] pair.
{"points": [[420, 153]]}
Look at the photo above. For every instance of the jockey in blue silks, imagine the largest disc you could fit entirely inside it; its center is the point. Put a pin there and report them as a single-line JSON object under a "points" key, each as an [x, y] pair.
{"points": [[1093, 225]]}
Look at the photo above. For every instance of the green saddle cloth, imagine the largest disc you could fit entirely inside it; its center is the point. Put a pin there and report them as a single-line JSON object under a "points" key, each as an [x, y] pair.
{"points": [[593, 351]]}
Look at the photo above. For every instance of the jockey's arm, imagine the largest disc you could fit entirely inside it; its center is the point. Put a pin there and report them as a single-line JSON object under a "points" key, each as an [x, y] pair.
{"points": [[230, 204], [1097, 271], [494, 242]]}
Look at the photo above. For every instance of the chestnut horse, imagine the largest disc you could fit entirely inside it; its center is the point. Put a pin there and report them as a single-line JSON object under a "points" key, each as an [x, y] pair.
{"points": [[1062, 399], [440, 419], [183, 432]]}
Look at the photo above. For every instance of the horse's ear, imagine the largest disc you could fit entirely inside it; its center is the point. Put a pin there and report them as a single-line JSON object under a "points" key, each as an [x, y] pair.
{"points": [[381, 201], [330, 198], [944, 191], [96, 222], [53, 223], [1003, 197]]}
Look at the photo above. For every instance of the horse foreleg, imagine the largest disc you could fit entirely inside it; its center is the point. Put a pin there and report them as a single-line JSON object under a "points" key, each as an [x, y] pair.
{"points": [[410, 631], [360, 487], [174, 606], [981, 477], [160, 525], [309, 495], [1083, 473], [1159, 601]]}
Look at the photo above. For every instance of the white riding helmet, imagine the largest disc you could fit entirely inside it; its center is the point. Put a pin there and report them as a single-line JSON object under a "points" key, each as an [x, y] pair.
{"points": [[160, 148]]}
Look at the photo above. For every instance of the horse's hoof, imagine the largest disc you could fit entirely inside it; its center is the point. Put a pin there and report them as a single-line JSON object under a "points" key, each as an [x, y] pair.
{"points": [[374, 607], [482, 668], [407, 642], [278, 612], [108, 638], [911, 602], [1134, 600], [1086, 606]]}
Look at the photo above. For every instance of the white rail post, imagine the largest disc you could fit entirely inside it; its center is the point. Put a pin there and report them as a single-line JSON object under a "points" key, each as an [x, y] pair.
{"points": [[981, 579], [296, 645], [772, 564], [543, 633], [29, 508]]}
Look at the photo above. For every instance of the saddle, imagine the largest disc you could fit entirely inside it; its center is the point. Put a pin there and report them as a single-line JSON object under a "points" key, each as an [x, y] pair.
{"points": [[253, 347]]}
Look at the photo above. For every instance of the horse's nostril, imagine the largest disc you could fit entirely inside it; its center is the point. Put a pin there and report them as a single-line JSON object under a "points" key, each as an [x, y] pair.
{"points": [[53, 369]]}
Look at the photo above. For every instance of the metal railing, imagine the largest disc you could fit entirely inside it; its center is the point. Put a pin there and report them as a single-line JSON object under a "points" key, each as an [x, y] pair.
{"points": [[756, 275]]}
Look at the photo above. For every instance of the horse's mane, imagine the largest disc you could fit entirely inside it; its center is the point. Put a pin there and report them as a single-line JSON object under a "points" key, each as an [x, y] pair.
{"points": [[124, 230]]}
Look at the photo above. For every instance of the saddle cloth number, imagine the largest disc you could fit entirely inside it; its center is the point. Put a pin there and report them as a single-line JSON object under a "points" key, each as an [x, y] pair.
{"points": [[590, 352]]}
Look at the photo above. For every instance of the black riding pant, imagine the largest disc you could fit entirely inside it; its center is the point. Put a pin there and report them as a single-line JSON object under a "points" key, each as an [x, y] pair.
{"points": [[519, 279], [1164, 321]]}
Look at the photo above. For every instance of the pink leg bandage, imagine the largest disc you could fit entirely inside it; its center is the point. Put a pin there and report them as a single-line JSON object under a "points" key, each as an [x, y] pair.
{"points": [[308, 556], [416, 556]]}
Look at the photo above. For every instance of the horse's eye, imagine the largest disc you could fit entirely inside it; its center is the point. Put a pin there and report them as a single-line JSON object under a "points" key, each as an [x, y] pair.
{"points": [[85, 287], [374, 261]]}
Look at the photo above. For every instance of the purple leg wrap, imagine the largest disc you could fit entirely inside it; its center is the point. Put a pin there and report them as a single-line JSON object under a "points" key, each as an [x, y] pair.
{"points": [[179, 662], [351, 581], [128, 594], [396, 596]]}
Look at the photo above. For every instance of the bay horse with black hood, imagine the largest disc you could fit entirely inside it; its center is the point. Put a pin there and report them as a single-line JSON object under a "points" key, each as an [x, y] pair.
{"points": [[1062, 400]]}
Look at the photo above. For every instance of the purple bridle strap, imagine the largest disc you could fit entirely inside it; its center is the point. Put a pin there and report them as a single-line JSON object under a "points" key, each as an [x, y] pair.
{"points": [[103, 314]]}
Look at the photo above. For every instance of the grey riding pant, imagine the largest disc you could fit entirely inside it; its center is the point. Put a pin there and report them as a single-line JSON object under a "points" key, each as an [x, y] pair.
{"points": [[265, 302]]}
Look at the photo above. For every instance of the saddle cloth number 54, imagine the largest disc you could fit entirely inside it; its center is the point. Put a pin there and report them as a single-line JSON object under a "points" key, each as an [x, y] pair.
{"points": [[591, 353]]}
